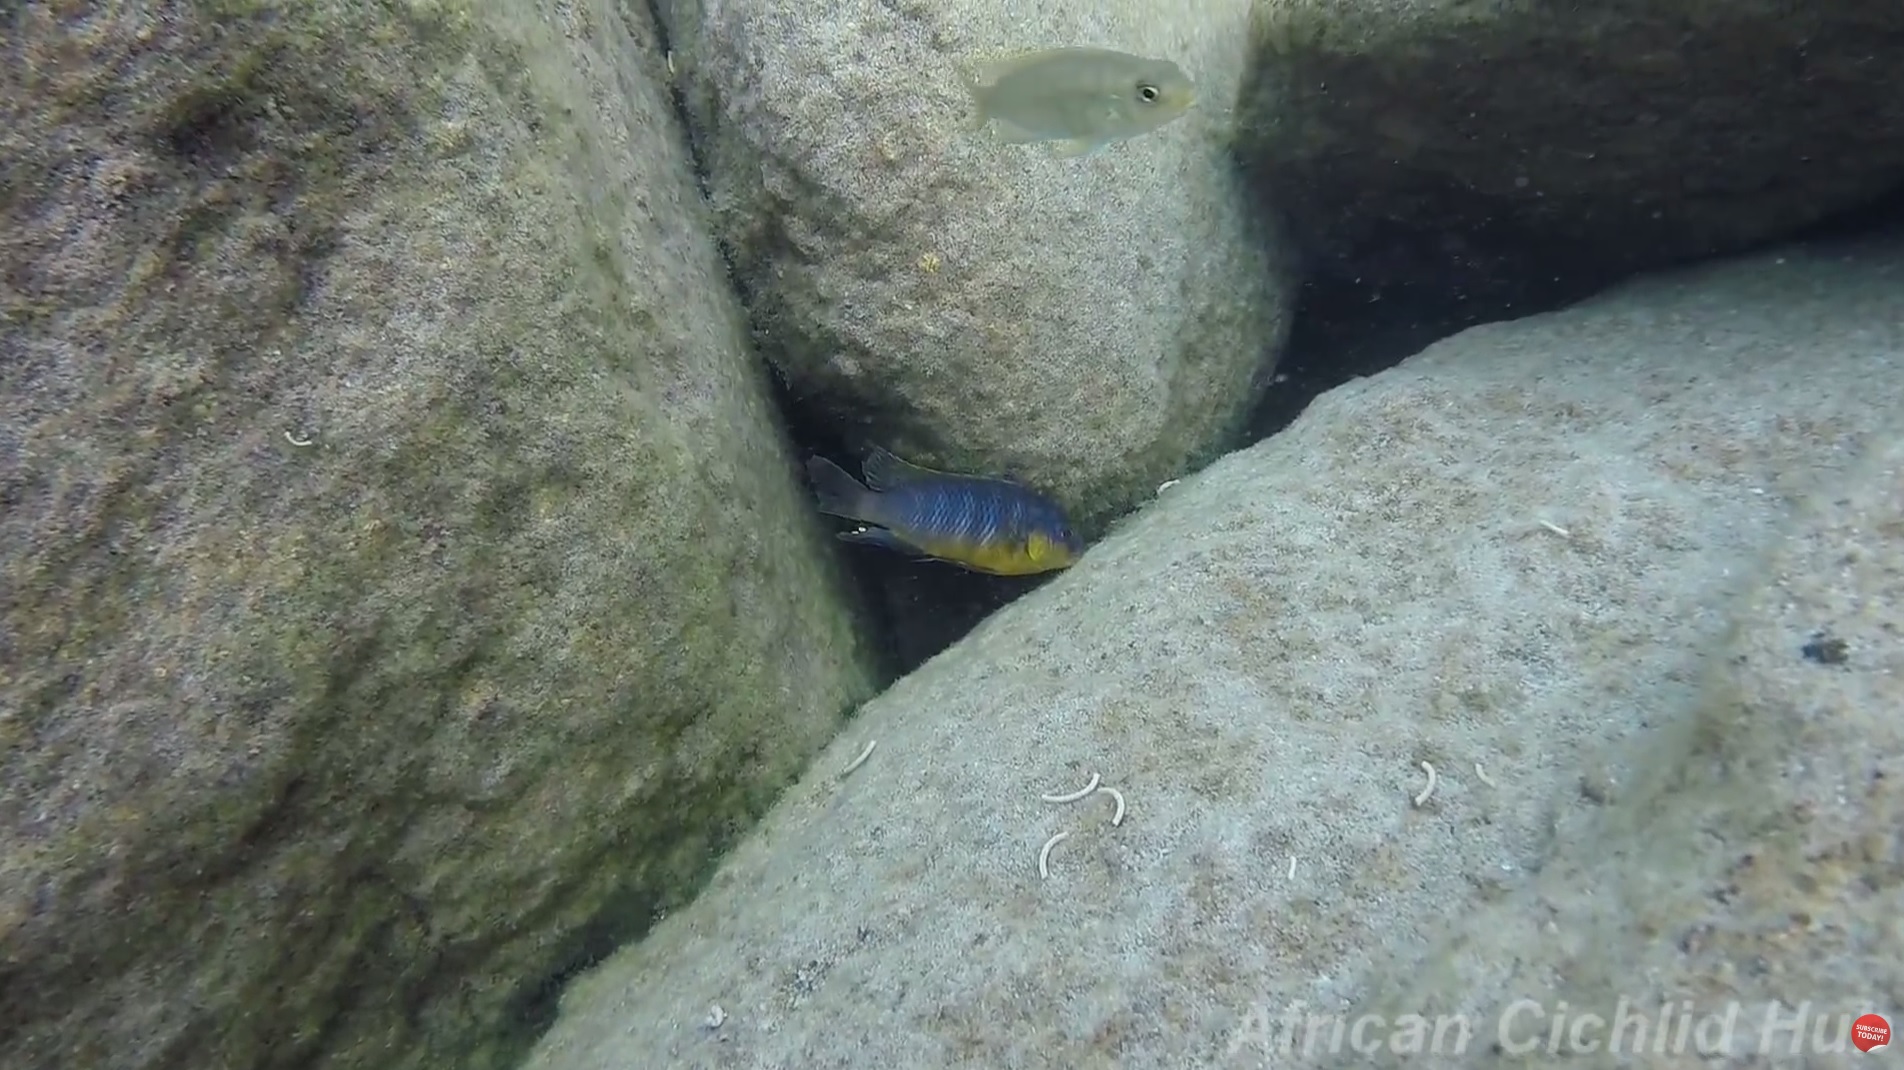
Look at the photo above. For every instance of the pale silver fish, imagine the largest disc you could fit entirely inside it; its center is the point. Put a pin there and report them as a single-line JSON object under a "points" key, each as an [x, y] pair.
{"points": [[1082, 98]]}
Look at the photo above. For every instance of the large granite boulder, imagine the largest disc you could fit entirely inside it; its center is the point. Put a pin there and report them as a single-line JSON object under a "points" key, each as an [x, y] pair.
{"points": [[404, 588], [1512, 559], [1741, 905], [1493, 147], [1093, 326]]}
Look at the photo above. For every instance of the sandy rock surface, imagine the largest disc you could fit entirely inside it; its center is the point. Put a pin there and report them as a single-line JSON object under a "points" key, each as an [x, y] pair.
{"points": [[1740, 907]]}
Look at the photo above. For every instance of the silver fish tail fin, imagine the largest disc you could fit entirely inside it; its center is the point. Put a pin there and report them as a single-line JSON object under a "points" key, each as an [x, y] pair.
{"points": [[981, 94], [836, 492]]}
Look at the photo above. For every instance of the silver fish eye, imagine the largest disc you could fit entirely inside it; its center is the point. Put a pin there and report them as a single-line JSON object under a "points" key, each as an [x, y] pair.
{"points": [[1147, 93]]}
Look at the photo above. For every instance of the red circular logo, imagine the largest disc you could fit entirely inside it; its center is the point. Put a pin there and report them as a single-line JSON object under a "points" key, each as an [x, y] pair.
{"points": [[1870, 1031]]}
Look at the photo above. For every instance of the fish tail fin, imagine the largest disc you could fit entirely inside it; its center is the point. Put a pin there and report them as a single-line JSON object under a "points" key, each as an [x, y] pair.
{"points": [[981, 94], [836, 492]]}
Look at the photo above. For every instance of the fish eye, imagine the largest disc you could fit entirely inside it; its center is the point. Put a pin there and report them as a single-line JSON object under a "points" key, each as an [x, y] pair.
{"points": [[1147, 93]]}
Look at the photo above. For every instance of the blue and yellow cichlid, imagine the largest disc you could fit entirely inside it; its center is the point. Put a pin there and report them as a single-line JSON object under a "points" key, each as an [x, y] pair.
{"points": [[986, 525]]}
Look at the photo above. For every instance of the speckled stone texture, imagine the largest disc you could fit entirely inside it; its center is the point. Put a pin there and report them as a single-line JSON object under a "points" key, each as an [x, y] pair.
{"points": [[335, 753], [1742, 906]]}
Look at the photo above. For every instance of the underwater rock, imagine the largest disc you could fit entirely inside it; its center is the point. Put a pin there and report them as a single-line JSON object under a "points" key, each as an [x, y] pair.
{"points": [[406, 590], [1755, 867], [1091, 326], [1502, 147], [1503, 558]]}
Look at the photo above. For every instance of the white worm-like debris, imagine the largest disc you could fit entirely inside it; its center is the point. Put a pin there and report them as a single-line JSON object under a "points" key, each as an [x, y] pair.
{"points": [[861, 760], [1481, 775], [1118, 817], [1044, 855], [1167, 484], [296, 441], [1555, 528], [1422, 799], [1076, 795], [1292, 867]]}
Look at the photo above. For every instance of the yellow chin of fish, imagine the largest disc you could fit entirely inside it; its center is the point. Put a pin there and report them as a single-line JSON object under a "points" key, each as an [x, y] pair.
{"points": [[1046, 553], [1037, 554]]}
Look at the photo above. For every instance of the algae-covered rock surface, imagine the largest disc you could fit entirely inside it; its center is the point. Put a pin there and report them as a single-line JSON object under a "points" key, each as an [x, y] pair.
{"points": [[1502, 144], [1506, 559], [1093, 326], [404, 589]]}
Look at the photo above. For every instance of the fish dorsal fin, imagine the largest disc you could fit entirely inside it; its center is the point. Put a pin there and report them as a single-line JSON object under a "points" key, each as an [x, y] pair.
{"points": [[993, 70], [988, 73], [883, 471]]}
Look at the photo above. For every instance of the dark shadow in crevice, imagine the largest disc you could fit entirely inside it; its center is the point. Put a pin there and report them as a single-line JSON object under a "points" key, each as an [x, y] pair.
{"points": [[1345, 328]]}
